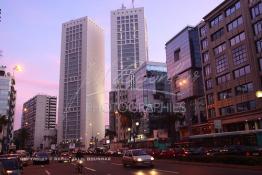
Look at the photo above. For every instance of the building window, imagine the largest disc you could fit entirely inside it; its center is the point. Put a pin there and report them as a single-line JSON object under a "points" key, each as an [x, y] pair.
{"points": [[209, 84], [232, 9], [225, 94], [204, 44], [203, 31], [205, 57], [207, 70], [259, 46], [176, 55], [227, 110], [237, 39], [210, 99], [258, 27], [234, 24], [219, 48], [256, 10], [244, 88], [211, 113], [239, 55], [260, 64], [242, 71], [216, 20], [217, 34], [223, 79], [246, 106], [221, 64]]}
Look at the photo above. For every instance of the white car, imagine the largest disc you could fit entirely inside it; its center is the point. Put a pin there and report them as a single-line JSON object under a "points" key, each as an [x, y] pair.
{"points": [[137, 157]]}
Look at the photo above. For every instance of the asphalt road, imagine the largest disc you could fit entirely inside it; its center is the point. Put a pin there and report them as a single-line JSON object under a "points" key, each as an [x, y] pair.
{"points": [[114, 167]]}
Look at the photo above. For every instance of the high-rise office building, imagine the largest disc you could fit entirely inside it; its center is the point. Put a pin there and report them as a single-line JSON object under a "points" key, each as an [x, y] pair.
{"points": [[81, 88], [39, 118], [129, 47], [231, 48], [7, 108], [185, 72]]}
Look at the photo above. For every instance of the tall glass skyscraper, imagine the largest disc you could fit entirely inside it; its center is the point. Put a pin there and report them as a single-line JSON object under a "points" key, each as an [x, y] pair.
{"points": [[129, 48], [81, 91]]}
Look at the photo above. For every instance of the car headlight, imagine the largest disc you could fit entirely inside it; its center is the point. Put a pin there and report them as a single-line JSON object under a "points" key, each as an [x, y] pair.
{"points": [[9, 171], [152, 158], [139, 159]]}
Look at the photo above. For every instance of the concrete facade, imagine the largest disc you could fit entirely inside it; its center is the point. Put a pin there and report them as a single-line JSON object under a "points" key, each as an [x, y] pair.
{"points": [[81, 87], [39, 118]]}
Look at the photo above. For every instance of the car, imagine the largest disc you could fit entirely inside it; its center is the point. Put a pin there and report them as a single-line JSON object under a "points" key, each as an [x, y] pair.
{"points": [[154, 152], [40, 158], [65, 157], [109, 153], [24, 157], [239, 150], [11, 166], [15, 156], [137, 157], [198, 151], [100, 151], [167, 154]]}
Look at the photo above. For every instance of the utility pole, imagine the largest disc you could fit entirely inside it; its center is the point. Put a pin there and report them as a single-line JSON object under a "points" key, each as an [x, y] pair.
{"points": [[133, 3]]}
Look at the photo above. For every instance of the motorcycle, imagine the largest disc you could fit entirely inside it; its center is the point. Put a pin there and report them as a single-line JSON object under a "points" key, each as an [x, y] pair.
{"points": [[79, 166]]}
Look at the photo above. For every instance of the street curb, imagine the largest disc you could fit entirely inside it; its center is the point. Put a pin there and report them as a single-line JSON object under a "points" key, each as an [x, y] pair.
{"points": [[254, 168]]}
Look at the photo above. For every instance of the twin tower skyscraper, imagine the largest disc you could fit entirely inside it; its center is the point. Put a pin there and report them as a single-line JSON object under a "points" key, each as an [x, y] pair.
{"points": [[81, 111]]}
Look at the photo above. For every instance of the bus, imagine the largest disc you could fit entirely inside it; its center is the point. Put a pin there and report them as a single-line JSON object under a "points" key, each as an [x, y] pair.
{"points": [[248, 138]]}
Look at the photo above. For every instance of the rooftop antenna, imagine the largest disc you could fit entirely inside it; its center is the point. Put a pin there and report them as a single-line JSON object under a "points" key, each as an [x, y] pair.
{"points": [[123, 6], [133, 3]]}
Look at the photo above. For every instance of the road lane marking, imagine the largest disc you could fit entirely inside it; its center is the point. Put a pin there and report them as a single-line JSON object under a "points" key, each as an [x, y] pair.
{"points": [[47, 172], [90, 169], [165, 171], [116, 163]]}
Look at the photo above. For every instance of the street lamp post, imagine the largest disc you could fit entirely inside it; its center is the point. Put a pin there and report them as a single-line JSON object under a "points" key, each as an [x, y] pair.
{"points": [[91, 125], [129, 134], [17, 68], [136, 133]]}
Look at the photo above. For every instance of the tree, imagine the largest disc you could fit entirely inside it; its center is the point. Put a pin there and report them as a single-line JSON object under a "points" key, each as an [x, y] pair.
{"points": [[21, 138], [3, 122]]}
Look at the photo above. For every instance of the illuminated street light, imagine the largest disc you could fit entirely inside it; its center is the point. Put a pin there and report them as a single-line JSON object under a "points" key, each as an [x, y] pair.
{"points": [[259, 94], [17, 68], [25, 109], [137, 123], [129, 129]]}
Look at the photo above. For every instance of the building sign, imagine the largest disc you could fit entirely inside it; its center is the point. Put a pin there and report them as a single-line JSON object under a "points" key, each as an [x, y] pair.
{"points": [[218, 124], [160, 133]]}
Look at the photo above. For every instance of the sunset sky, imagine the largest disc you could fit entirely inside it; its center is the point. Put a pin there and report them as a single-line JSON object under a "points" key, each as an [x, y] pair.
{"points": [[30, 35]]}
